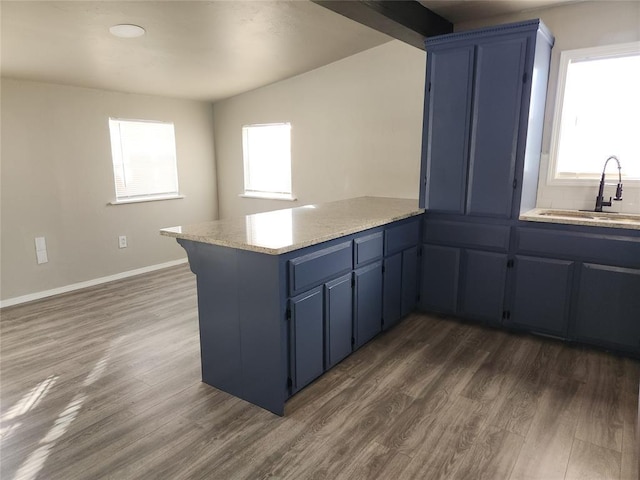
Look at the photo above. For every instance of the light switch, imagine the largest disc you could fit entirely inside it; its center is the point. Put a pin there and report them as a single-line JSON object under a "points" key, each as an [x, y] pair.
{"points": [[41, 250], [41, 244], [41, 255]]}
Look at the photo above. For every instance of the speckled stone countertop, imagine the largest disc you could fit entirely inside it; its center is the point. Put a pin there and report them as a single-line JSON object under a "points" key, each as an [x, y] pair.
{"points": [[282, 231], [579, 217]]}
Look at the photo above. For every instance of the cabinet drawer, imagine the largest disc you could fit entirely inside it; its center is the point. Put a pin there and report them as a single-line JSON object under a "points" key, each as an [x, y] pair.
{"points": [[367, 248], [465, 234], [314, 268], [401, 237]]}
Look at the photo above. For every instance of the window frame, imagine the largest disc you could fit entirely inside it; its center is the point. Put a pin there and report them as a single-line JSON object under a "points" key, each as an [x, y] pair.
{"points": [[150, 197], [566, 58], [271, 194]]}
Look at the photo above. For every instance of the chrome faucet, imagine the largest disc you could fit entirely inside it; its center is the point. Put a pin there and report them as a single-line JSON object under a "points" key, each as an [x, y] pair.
{"points": [[600, 199]]}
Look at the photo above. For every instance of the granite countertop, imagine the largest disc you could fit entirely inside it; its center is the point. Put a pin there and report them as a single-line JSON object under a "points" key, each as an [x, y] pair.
{"points": [[579, 217], [282, 231]]}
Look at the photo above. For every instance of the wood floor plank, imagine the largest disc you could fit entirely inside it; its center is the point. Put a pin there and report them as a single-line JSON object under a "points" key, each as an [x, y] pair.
{"points": [[105, 383], [449, 441], [547, 447], [492, 456], [601, 417], [630, 460], [591, 462]]}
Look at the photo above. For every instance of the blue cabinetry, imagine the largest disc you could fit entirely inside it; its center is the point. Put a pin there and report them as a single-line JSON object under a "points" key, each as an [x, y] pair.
{"points": [[484, 275], [367, 302], [306, 337], [440, 279], [271, 324], [608, 306], [464, 268], [482, 128], [541, 294], [338, 322], [400, 272]]}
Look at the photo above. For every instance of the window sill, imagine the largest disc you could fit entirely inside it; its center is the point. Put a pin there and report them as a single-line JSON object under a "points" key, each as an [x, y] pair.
{"points": [[145, 199], [269, 196], [611, 179]]}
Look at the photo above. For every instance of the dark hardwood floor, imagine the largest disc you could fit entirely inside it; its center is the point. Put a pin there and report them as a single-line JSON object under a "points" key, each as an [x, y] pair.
{"points": [[105, 383]]}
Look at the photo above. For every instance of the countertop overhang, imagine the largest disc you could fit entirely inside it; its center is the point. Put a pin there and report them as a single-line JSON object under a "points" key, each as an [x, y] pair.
{"points": [[282, 231]]}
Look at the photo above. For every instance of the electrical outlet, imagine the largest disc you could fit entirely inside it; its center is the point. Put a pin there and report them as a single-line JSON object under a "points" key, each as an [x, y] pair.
{"points": [[122, 241]]}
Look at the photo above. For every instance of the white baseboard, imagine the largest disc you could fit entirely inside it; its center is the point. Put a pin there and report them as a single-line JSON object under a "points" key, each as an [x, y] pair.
{"points": [[89, 283]]}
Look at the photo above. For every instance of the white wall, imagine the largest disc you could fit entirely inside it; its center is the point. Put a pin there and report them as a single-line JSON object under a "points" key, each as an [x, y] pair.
{"points": [[579, 25], [356, 129], [57, 180]]}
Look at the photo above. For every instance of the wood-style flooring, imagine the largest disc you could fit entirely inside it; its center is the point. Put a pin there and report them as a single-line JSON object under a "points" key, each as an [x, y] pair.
{"points": [[105, 383]]}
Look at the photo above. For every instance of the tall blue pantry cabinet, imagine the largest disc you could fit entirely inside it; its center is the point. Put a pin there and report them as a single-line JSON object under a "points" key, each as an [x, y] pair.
{"points": [[483, 118]]}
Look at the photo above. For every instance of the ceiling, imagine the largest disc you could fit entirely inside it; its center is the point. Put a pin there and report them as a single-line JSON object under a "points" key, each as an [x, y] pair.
{"points": [[202, 50], [457, 11]]}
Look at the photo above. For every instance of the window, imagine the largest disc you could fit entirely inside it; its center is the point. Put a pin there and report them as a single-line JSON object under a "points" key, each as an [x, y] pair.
{"points": [[597, 113], [267, 160], [144, 160]]}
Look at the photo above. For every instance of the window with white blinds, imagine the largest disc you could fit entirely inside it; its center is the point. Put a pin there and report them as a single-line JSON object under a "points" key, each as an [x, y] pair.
{"points": [[144, 160]]}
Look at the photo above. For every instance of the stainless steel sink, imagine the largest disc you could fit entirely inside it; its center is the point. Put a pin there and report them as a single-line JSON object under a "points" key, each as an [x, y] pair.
{"points": [[567, 213]]}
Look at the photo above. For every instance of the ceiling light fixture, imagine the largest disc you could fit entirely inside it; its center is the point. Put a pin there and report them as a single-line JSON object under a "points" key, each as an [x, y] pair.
{"points": [[126, 30]]}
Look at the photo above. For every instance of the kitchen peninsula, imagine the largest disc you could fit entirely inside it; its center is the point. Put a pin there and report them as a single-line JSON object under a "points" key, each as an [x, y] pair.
{"points": [[285, 295]]}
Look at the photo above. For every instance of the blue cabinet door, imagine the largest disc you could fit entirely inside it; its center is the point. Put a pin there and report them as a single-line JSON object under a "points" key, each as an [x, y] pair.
{"points": [[306, 337], [338, 319], [542, 294], [368, 302], [499, 75], [392, 296], [446, 126], [484, 278], [440, 274], [409, 281], [400, 281], [608, 306]]}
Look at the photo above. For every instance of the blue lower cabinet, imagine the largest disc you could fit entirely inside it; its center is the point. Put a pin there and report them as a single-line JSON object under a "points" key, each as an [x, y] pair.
{"points": [[306, 337], [400, 280], [338, 319], [440, 279], [392, 296], [541, 295], [608, 306], [484, 277], [409, 280], [367, 303]]}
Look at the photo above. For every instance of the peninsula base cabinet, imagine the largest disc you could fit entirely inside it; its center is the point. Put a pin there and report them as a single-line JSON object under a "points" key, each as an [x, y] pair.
{"points": [[306, 337], [368, 303], [400, 274], [338, 321], [271, 324], [608, 306]]}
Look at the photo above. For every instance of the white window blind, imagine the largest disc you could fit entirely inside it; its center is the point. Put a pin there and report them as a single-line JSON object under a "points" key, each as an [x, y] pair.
{"points": [[144, 159], [598, 112], [267, 160]]}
